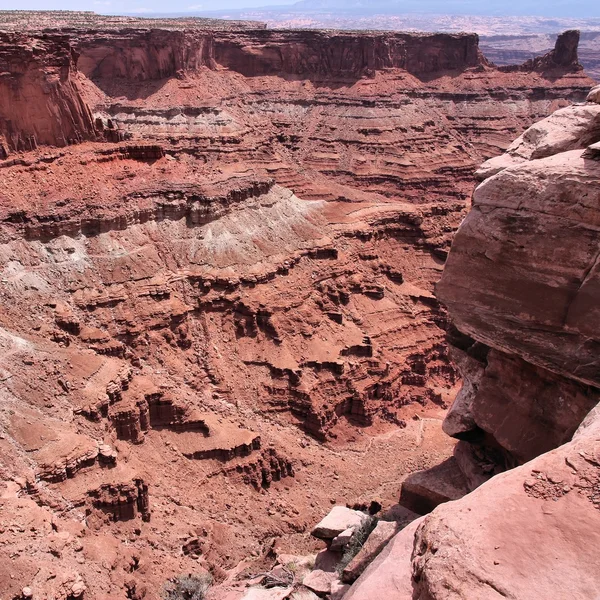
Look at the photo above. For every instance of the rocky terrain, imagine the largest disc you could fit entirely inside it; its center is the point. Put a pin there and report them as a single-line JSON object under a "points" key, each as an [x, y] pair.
{"points": [[218, 251], [521, 287], [504, 40]]}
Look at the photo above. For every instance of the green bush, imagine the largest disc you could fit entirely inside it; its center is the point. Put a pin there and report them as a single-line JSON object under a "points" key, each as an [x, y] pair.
{"points": [[187, 587]]}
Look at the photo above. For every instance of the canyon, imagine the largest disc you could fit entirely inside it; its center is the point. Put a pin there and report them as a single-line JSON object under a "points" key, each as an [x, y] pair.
{"points": [[219, 245]]}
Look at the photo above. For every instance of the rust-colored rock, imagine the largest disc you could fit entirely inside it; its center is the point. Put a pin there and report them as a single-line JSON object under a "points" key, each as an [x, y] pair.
{"points": [[232, 285], [41, 100]]}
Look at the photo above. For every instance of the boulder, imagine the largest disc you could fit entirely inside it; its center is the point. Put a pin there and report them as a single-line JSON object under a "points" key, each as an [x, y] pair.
{"points": [[496, 164], [400, 515], [260, 593], [319, 581], [379, 537], [338, 590], [389, 576], [532, 532], [424, 490], [594, 95], [570, 128], [338, 520], [340, 541]]}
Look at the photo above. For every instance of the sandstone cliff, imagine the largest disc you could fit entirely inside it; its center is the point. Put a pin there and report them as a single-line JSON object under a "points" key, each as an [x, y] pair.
{"points": [[228, 299], [521, 287], [40, 96]]}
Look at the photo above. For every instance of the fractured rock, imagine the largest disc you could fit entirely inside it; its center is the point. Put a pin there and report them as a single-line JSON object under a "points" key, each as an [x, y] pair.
{"points": [[337, 521], [535, 527], [594, 95], [338, 590], [378, 538], [342, 540], [390, 574], [424, 490], [319, 581]]}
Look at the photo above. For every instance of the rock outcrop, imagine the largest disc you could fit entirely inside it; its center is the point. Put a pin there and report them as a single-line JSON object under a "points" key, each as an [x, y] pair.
{"points": [[41, 101], [229, 281], [520, 285]]}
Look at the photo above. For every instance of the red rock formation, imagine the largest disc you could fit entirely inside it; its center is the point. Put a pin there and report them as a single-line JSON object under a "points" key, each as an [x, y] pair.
{"points": [[40, 96], [120, 502], [533, 306], [529, 383], [257, 260]]}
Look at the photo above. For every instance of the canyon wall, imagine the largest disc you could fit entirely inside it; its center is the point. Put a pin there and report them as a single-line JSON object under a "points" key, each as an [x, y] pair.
{"points": [[520, 285], [40, 98], [226, 299], [156, 54]]}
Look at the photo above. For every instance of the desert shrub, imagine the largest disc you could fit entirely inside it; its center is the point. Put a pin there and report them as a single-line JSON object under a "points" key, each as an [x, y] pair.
{"points": [[187, 587], [357, 542]]}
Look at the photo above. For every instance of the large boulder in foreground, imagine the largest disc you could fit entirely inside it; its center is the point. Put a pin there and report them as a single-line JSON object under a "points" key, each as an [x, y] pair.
{"points": [[338, 520], [532, 532], [523, 275], [522, 285], [389, 576]]}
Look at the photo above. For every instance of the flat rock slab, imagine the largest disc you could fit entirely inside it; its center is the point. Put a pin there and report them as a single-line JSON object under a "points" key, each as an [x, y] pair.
{"points": [[338, 590], [259, 593], [400, 514], [380, 536], [389, 576], [424, 490], [327, 560], [340, 542], [319, 581], [339, 519]]}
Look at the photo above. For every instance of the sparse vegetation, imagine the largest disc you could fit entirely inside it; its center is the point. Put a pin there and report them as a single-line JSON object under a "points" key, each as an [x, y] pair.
{"points": [[187, 587], [357, 542]]}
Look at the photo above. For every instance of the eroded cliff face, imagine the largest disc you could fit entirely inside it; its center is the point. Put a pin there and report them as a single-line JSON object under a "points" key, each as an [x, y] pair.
{"points": [[40, 97], [533, 304], [519, 284], [241, 270], [157, 54]]}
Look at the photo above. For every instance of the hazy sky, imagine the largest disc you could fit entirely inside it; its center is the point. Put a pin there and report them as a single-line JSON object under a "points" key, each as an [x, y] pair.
{"points": [[575, 8]]}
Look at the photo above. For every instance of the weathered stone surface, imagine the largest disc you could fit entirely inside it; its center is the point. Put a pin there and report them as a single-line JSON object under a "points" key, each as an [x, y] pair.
{"points": [[338, 520], [401, 515], [168, 274], [533, 303], [533, 271], [319, 581], [570, 128], [390, 574], [41, 99], [303, 594], [258, 593], [548, 292], [496, 164], [340, 541], [378, 538], [594, 95], [532, 530], [424, 490], [338, 590]]}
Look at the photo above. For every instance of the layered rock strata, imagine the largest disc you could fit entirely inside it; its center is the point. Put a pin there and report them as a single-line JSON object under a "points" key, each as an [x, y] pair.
{"points": [[41, 100], [520, 285], [245, 254]]}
